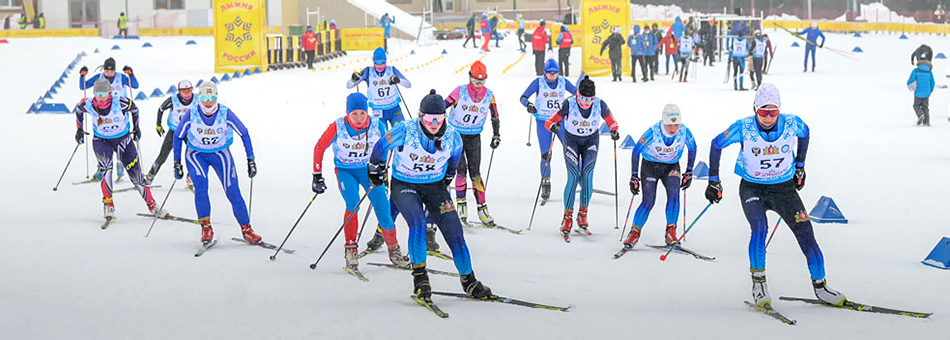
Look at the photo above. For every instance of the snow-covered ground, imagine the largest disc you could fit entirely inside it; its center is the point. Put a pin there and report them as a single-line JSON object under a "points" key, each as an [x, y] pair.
{"points": [[63, 277]]}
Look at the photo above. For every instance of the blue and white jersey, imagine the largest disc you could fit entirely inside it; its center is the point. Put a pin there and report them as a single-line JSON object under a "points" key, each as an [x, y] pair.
{"points": [[381, 94], [740, 48], [576, 124], [761, 160], [351, 152], [759, 51], [209, 138], [468, 117], [116, 124], [179, 110], [416, 159], [547, 100], [686, 45], [655, 148]]}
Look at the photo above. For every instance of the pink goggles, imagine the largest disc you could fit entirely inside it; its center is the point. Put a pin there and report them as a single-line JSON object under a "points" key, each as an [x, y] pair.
{"points": [[432, 119]]}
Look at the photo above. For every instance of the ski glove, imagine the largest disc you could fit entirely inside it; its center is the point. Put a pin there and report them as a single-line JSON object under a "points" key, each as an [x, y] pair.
{"points": [[799, 178], [495, 140], [80, 136], [127, 70], [319, 185], [822, 45], [714, 191], [634, 184], [532, 108], [555, 128], [160, 130], [356, 76], [136, 134], [394, 80], [687, 179], [84, 71], [377, 174], [614, 135], [179, 173], [251, 168]]}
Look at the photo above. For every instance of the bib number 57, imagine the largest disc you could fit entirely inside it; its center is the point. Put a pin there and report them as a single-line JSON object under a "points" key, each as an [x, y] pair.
{"points": [[770, 163]]}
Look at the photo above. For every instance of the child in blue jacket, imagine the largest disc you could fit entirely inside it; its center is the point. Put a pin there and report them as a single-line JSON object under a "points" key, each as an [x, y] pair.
{"points": [[921, 81]]}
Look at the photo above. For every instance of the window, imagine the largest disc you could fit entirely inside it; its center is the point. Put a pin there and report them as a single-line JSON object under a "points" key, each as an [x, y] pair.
{"points": [[11, 3], [168, 4]]}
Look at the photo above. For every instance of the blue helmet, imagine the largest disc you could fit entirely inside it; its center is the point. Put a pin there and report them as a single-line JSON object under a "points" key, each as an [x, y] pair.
{"points": [[379, 54], [550, 66]]}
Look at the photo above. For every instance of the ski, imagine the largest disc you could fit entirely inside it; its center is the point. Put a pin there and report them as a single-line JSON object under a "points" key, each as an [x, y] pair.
{"points": [[502, 299], [264, 245], [768, 310], [133, 188], [355, 272], [107, 223], [685, 251], [622, 251], [440, 255], [583, 231], [205, 247], [493, 226], [363, 254], [567, 236], [431, 306], [172, 218], [430, 270], [860, 307], [91, 180]]}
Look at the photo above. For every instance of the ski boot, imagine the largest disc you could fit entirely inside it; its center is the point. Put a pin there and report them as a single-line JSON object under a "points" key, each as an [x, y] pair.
{"points": [[349, 253], [207, 234], [420, 282], [376, 242], [156, 211], [189, 184], [475, 288], [483, 215], [566, 223], [545, 189], [431, 244], [108, 211], [149, 177], [632, 238], [582, 221], [461, 206], [827, 295], [760, 290], [397, 258], [249, 234], [670, 234]]}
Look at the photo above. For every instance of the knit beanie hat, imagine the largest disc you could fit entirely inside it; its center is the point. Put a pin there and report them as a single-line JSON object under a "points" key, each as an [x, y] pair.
{"points": [[586, 87], [432, 103], [355, 101], [671, 115]]}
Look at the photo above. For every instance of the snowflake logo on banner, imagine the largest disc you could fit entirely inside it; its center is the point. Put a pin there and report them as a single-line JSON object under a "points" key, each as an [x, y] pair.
{"points": [[238, 37]]}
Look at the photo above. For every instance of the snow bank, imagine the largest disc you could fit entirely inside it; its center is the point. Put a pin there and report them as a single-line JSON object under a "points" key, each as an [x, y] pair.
{"points": [[403, 21], [783, 17], [653, 12], [877, 12]]}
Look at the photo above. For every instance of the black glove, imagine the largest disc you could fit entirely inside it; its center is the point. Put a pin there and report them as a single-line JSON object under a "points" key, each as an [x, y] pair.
{"points": [[634, 184], [127, 70], [532, 108], [447, 180], [377, 174], [356, 76], [495, 140], [136, 134], [394, 80], [160, 130], [614, 135], [714, 191], [555, 128], [799, 178], [319, 185], [687, 179], [84, 71], [179, 172], [822, 45], [80, 136], [251, 168]]}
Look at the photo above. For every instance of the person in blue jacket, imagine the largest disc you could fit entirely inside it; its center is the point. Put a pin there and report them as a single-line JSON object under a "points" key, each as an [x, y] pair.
{"points": [[635, 41], [386, 22], [811, 34], [650, 45], [120, 84], [549, 92], [771, 163], [921, 81], [738, 51], [678, 28]]}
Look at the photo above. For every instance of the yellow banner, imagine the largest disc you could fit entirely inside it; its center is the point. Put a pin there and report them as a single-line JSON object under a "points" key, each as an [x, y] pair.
{"points": [[49, 33], [367, 39], [599, 18], [861, 26], [175, 31], [239, 42]]}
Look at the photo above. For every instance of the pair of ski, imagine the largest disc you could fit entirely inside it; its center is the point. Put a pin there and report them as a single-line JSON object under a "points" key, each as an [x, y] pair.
{"points": [[96, 180], [492, 226], [431, 306], [205, 246], [849, 305], [678, 250], [579, 231], [435, 253]]}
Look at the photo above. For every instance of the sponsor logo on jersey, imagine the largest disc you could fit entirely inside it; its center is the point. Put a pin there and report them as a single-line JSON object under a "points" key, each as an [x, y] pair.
{"points": [[801, 216], [581, 123], [446, 207], [422, 159], [785, 148]]}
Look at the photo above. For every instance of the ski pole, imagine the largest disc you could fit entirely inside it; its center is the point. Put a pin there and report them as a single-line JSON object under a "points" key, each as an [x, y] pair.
{"points": [[538, 196], [314, 265], [773, 232], [274, 257], [408, 112], [250, 199], [529, 130], [161, 207], [677, 242], [363, 226], [684, 209], [84, 132], [67, 167], [488, 174], [627, 220], [616, 192]]}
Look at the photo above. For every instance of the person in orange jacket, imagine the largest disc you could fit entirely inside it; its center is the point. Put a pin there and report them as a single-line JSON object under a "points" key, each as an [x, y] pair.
{"points": [[309, 43], [670, 43]]}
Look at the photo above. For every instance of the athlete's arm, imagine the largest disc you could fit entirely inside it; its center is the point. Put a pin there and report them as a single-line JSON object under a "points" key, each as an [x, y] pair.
{"points": [[647, 138], [391, 140], [329, 135], [239, 128], [528, 92], [166, 105], [691, 150], [731, 136], [402, 79], [804, 135]]}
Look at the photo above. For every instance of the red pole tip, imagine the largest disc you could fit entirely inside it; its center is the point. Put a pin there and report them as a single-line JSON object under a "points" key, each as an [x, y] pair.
{"points": [[662, 257]]}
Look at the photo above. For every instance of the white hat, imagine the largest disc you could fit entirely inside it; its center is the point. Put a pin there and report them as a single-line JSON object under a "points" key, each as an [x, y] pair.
{"points": [[814, 24], [767, 95], [184, 85], [208, 89], [671, 115]]}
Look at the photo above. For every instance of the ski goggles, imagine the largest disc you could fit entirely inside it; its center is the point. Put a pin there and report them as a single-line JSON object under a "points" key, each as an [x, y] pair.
{"points": [[581, 98], [765, 112], [432, 119], [553, 73], [101, 94], [207, 98], [477, 81], [379, 62]]}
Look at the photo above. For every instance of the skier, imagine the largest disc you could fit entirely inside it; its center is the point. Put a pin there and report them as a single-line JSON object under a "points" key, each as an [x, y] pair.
{"points": [[685, 53], [426, 153], [352, 137], [772, 168], [549, 92], [582, 115], [117, 83], [739, 50], [381, 81], [760, 48], [115, 126], [179, 105], [486, 32], [209, 131], [811, 35], [921, 81], [662, 147], [471, 104]]}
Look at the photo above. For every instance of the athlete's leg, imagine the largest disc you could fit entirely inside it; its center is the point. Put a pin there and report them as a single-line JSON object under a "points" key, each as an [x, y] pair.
{"points": [[439, 204], [198, 172], [788, 205], [754, 209], [671, 181], [167, 146], [588, 161], [572, 162], [350, 189], [223, 165], [104, 149], [406, 197]]}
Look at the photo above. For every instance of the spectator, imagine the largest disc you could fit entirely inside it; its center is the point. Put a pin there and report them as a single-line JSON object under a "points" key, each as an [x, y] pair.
{"points": [[486, 32], [538, 40], [470, 28], [650, 43], [921, 81], [386, 22], [6, 23], [493, 21], [23, 21], [678, 28], [520, 32], [564, 42], [309, 43], [657, 36], [123, 25], [333, 24], [41, 21], [569, 17], [923, 52], [615, 43], [708, 35], [670, 48]]}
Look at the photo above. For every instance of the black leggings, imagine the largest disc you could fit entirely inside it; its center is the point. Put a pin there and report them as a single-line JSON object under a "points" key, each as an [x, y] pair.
{"points": [[470, 163]]}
